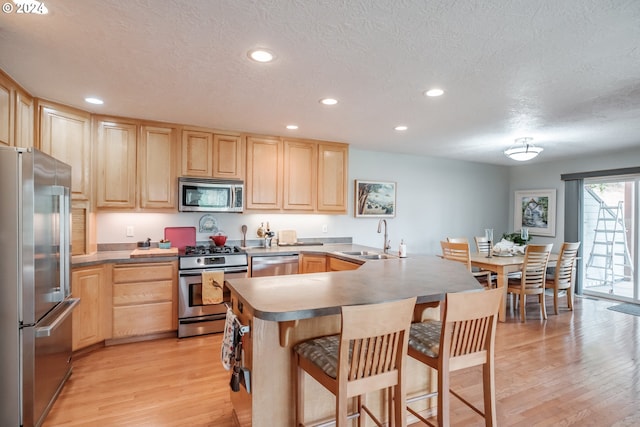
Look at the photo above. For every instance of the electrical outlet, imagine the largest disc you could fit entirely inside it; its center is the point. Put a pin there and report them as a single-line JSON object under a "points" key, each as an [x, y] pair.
{"points": [[324, 228], [129, 230]]}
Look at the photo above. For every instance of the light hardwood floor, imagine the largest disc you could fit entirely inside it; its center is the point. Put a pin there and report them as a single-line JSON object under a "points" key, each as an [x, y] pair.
{"points": [[575, 369]]}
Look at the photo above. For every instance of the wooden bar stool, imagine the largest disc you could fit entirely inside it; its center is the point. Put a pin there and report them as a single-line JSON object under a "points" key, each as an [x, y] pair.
{"points": [[464, 338], [368, 355]]}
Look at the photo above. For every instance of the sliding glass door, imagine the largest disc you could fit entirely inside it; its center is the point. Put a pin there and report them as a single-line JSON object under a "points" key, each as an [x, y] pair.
{"points": [[610, 237]]}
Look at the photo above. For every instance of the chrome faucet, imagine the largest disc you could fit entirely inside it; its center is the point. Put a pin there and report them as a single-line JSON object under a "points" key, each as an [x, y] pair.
{"points": [[387, 243]]}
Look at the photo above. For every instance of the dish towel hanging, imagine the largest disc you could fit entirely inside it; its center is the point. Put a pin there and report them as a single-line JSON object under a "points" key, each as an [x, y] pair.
{"points": [[212, 283], [227, 352]]}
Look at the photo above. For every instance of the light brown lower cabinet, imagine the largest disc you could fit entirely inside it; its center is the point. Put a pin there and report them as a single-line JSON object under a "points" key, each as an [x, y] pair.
{"points": [[144, 299], [336, 264], [312, 263], [91, 318]]}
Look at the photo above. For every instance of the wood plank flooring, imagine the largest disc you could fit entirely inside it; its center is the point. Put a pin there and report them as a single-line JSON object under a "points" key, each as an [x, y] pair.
{"points": [[575, 369]]}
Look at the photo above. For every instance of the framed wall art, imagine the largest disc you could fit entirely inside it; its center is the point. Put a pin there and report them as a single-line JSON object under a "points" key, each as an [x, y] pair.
{"points": [[375, 199], [535, 210]]}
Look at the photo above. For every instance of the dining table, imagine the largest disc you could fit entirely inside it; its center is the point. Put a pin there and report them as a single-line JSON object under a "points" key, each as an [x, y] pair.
{"points": [[502, 265]]}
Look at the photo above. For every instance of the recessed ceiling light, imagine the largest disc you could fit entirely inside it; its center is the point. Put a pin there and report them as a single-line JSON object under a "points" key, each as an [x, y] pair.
{"points": [[261, 55], [401, 128], [92, 100], [434, 92], [328, 101], [292, 127]]}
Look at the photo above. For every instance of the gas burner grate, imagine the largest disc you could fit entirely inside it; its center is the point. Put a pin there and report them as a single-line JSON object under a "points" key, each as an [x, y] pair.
{"points": [[210, 250]]}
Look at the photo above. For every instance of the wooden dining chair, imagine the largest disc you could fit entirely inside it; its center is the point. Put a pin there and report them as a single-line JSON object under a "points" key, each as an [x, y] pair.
{"points": [[460, 252], [369, 354], [464, 338], [482, 244], [532, 279], [564, 274]]}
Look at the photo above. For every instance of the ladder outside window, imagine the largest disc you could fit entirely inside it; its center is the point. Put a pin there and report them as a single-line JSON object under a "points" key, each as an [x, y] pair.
{"points": [[610, 261]]}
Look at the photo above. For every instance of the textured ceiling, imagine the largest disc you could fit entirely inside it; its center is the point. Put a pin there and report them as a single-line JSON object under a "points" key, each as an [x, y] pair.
{"points": [[566, 73]]}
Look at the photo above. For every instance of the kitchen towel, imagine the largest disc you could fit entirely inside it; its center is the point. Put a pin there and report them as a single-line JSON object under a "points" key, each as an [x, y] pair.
{"points": [[227, 351], [212, 283]]}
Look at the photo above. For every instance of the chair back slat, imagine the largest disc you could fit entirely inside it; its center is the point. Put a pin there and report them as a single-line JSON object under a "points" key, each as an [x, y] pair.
{"points": [[565, 264], [456, 252], [469, 322], [534, 269], [482, 244], [373, 344]]}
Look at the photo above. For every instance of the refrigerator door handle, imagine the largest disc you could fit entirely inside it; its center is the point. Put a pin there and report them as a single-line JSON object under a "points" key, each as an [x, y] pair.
{"points": [[47, 329], [64, 195]]}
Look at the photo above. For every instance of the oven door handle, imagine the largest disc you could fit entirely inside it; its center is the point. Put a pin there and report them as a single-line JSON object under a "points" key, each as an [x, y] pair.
{"points": [[226, 270]]}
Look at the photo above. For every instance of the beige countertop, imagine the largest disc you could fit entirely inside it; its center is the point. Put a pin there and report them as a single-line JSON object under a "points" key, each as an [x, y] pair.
{"points": [[300, 296], [125, 256]]}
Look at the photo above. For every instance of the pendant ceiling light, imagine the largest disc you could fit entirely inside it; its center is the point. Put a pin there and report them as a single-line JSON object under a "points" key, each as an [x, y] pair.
{"points": [[522, 150]]}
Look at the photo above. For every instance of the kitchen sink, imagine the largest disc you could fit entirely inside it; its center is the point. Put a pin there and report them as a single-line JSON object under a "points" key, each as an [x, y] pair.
{"points": [[376, 256], [359, 253], [368, 255]]}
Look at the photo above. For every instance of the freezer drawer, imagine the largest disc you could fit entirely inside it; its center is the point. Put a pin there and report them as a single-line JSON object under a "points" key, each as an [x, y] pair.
{"points": [[51, 361]]}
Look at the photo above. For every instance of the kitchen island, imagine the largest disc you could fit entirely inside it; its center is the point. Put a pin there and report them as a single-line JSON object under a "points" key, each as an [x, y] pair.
{"points": [[284, 310]]}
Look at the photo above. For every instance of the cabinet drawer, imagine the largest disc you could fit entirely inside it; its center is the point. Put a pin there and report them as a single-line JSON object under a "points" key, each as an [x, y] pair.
{"points": [[142, 272], [137, 293], [142, 319]]}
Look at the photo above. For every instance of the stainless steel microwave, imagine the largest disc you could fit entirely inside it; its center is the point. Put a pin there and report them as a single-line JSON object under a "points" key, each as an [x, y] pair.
{"points": [[210, 195]]}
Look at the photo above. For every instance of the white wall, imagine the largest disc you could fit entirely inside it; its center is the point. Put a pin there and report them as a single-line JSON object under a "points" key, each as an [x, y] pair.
{"points": [[547, 175], [436, 198]]}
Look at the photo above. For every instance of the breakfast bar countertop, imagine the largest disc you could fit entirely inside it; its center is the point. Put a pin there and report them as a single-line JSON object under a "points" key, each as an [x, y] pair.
{"points": [[301, 296]]}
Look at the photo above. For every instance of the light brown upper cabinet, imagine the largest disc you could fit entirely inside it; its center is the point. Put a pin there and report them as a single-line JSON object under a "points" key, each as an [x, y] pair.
{"points": [[212, 155], [264, 173], [136, 165], [16, 114], [197, 153], [23, 119], [296, 175], [65, 133], [157, 178], [116, 164], [300, 175], [333, 161], [6, 111]]}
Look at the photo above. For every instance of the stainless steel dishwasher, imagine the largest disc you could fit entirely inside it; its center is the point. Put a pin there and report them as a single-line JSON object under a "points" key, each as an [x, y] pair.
{"points": [[274, 265]]}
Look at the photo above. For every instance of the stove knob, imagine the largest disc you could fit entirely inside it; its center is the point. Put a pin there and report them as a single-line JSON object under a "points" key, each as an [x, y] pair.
{"points": [[198, 261]]}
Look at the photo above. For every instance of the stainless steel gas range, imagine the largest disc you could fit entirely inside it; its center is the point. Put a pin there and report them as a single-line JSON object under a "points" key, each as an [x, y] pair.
{"points": [[194, 317]]}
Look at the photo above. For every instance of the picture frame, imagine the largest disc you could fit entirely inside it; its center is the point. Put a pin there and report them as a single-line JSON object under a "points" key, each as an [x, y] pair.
{"points": [[375, 199], [535, 210]]}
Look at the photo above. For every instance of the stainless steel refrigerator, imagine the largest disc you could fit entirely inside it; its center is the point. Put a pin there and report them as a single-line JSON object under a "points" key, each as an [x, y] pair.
{"points": [[35, 293]]}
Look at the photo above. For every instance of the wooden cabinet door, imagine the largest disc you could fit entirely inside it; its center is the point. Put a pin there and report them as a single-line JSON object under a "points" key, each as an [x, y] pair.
{"points": [[157, 168], [335, 264], [24, 120], [87, 322], [116, 164], [197, 153], [300, 175], [228, 157], [6, 111], [264, 173], [312, 263], [333, 160], [65, 134]]}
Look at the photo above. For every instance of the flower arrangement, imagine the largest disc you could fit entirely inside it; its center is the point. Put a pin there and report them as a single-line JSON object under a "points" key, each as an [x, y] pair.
{"points": [[516, 238]]}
